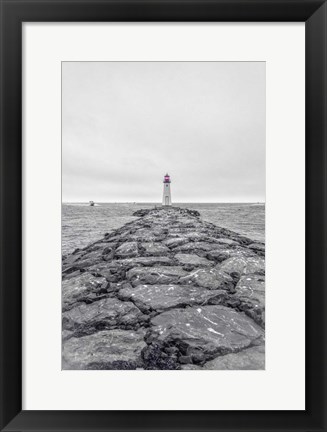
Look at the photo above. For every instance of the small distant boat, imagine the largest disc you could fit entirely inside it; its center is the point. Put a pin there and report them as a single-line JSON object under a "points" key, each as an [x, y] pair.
{"points": [[92, 203]]}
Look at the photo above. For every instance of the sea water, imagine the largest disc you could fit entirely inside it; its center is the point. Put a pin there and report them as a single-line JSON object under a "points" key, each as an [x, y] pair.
{"points": [[83, 224]]}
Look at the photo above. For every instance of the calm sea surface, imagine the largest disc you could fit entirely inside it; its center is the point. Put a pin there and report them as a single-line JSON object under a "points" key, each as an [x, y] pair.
{"points": [[82, 224]]}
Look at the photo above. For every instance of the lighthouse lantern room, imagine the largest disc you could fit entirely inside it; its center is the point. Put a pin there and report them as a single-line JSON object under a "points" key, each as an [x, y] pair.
{"points": [[166, 199]]}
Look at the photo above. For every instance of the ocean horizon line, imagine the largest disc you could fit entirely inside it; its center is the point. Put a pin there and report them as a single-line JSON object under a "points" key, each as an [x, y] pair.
{"points": [[159, 203]]}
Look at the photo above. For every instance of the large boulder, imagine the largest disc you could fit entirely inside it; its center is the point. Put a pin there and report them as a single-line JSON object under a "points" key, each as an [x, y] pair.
{"points": [[155, 275], [204, 332], [243, 265], [258, 247], [83, 288], [209, 278], [147, 235], [155, 249], [227, 241], [145, 261], [161, 297], [175, 241], [192, 260], [221, 253], [102, 268], [108, 349], [128, 249], [194, 246], [108, 313], [82, 260], [249, 359]]}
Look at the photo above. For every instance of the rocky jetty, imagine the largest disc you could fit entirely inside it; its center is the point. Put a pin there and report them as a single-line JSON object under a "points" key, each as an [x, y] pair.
{"points": [[166, 291]]}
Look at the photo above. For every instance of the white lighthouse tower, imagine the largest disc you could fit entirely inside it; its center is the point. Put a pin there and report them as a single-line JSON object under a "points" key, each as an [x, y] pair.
{"points": [[166, 199]]}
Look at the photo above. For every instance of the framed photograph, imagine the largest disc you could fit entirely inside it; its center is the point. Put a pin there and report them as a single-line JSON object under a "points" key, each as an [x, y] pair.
{"points": [[163, 199]]}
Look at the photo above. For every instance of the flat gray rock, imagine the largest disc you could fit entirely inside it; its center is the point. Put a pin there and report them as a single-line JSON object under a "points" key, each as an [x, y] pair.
{"points": [[71, 259], [155, 249], [161, 297], [222, 253], [108, 349], [83, 288], [194, 246], [147, 235], [243, 265], [210, 330], [155, 275], [210, 278], [128, 249], [193, 260], [102, 268], [227, 241], [108, 268], [175, 241], [248, 359], [196, 235], [257, 247], [83, 260], [104, 314], [146, 261]]}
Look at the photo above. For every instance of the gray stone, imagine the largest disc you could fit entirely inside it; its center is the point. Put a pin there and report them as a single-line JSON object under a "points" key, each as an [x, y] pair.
{"points": [[185, 359], [193, 246], [243, 265], [221, 253], [250, 291], [66, 334], [193, 260], [102, 268], [227, 241], [177, 241], [196, 236], [147, 235], [104, 314], [191, 367], [154, 275], [108, 349], [88, 259], [146, 261], [210, 329], [211, 279], [71, 259], [257, 247], [155, 249], [161, 297], [83, 288], [248, 359], [128, 249], [75, 273], [218, 255]]}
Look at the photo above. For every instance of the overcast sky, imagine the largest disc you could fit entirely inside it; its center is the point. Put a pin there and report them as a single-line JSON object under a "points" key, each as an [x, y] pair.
{"points": [[125, 124]]}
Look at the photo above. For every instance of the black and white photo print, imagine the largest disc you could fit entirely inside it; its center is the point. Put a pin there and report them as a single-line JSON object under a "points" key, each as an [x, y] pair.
{"points": [[163, 215]]}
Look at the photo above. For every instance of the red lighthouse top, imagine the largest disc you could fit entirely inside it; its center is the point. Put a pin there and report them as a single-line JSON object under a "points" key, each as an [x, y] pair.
{"points": [[166, 179]]}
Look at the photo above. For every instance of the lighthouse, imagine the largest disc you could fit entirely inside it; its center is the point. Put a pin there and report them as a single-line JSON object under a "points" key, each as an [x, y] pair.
{"points": [[166, 199]]}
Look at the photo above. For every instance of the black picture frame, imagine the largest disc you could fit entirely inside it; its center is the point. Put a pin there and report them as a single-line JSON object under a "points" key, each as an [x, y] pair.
{"points": [[13, 14]]}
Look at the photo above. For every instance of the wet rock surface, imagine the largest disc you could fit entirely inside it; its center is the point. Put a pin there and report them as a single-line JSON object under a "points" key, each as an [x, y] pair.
{"points": [[249, 359], [161, 297], [206, 331], [166, 291], [108, 349]]}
